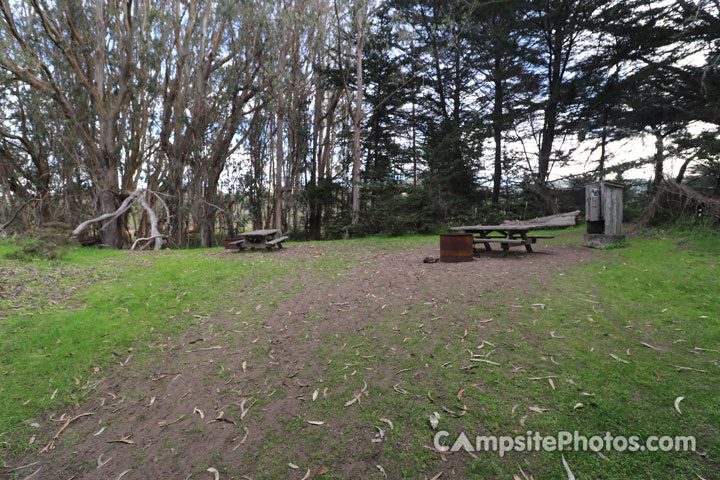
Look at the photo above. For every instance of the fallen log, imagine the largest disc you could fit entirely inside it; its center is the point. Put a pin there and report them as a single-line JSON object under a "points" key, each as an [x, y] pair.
{"points": [[561, 220]]}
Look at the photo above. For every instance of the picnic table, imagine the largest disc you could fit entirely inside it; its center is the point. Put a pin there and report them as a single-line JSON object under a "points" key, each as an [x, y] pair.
{"points": [[507, 235], [260, 239]]}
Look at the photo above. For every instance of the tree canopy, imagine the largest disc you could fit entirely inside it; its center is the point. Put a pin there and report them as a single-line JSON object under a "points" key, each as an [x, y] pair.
{"points": [[343, 117]]}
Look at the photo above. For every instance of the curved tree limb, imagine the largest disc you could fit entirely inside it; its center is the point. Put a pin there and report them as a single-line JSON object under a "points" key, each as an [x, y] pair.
{"points": [[155, 233], [124, 206], [17, 212], [142, 239], [165, 206], [136, 196], [222, 210]]}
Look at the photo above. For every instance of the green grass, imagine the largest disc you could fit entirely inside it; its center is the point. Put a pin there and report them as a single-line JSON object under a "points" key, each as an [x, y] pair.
{"points": [[124, 302], [656, 290], [68, 320], [661, 289]]}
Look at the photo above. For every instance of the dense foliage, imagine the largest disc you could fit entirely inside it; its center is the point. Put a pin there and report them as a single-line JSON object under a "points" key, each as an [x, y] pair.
{"points": [[344, 117]]}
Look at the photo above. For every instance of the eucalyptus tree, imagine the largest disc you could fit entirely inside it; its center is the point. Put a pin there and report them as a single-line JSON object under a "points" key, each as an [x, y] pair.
{"points": [[352, 24], [236, 88], [27, 147], [84, 57], [212, 69], [327, 88]]}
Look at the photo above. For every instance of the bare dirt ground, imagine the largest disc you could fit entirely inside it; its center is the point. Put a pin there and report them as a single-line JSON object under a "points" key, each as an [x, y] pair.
{"points": [[213, 396]]}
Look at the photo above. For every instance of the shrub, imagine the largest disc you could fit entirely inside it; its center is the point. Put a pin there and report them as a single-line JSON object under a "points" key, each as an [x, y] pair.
{"points": [[48, 243]]}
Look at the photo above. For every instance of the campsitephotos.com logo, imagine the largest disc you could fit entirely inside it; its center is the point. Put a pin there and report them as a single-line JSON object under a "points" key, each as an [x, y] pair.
{"points": [[562, 441]]}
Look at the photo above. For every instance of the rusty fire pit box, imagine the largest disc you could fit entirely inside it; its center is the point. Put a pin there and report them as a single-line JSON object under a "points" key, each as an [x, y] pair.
{"points": [[456, 247]]}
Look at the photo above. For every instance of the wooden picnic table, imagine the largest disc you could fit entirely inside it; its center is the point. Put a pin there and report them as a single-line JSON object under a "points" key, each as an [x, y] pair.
{"points": [[507, 235], [260, 239]]}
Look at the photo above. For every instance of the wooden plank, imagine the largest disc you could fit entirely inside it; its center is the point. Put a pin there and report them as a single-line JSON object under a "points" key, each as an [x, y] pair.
{"points": [[507, 241], [491, 228], [612, 208], [277, 240], [255, 245], [260, 233], [567, 219]]}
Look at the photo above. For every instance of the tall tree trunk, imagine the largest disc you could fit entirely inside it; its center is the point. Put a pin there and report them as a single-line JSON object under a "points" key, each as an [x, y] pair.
{"points": [[497, 128], [603, 143], [357, 118], [556, 31], [206, 213], [683, 169], [279, 157], [110, 233], [177, 234], [658, 158]]}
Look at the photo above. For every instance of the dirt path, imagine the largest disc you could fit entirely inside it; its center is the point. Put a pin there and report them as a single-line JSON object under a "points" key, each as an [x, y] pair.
{"points": [[216, 395]]}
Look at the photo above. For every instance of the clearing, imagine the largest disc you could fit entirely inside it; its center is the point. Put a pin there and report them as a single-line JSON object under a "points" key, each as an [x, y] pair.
{"points": [[330, 358]]}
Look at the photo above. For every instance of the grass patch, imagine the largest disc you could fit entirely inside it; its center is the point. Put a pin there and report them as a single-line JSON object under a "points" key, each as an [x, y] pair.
{"points": [[661, 290], [67, 322], [610, 306]]}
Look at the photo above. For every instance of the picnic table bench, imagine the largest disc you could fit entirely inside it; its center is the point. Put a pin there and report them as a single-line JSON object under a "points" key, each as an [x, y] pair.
{"points": [[260, 239], [507, 235]]}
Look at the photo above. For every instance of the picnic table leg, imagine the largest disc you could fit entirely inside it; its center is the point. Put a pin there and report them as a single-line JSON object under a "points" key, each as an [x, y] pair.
{"points": [[505, 248], [487, 245], [528, 247]]}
